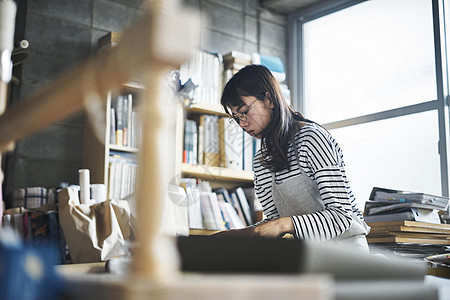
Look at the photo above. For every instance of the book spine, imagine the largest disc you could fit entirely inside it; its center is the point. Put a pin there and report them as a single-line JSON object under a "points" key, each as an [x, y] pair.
{"points": [[119, 120], [112, 126], [125, 125]]}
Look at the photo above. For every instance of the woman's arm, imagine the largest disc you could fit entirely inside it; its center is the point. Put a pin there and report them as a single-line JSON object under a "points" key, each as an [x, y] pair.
{"points": [[321, 159], [271, 229]]}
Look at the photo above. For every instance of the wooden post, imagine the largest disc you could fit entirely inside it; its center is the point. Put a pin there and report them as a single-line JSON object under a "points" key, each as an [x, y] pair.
{"points": [[7, 20], [156, 257], [163, 38]]}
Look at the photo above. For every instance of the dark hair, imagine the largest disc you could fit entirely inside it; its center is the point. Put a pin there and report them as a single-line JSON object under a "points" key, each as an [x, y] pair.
{"points": [[256, 80]]}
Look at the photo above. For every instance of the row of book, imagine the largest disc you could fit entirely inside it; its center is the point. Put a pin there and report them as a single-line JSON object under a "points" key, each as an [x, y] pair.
{"points": [[204, 69], [215, 141], [235, 60], [125, 125], [211, 71], [219, 208], [122, 177]]}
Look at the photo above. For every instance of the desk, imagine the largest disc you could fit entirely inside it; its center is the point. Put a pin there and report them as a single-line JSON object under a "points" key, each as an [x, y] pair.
{"points": [[86, 282], [90, 281]]}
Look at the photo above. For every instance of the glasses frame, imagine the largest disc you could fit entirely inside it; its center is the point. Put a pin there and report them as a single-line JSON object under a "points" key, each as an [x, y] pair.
{"points": [[242, 115]]}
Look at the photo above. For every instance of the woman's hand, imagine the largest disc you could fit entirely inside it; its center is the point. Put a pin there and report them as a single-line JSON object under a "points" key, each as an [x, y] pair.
{"points": [[271, 229], [275, 228]]}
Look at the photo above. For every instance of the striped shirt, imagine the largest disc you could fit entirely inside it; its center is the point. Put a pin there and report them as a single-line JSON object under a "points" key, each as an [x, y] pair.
{"points": [[321, 160]]}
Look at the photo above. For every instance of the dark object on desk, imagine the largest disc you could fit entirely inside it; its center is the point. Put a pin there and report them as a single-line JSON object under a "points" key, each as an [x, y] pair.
{"points": [[240, 255], [269, 256]]}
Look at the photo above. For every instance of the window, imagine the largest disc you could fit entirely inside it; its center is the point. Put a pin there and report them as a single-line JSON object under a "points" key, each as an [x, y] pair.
{"points": [[369, 75]]}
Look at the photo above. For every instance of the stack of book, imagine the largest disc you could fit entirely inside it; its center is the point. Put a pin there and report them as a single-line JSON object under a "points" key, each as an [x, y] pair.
{"points": [[204, 69], [410, 238], [125, 127], [234, 61], [407, 223], [393, 205], [219, 208], [409, 232]]}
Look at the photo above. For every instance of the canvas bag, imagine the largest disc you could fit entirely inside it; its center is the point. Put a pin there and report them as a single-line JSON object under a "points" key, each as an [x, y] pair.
{"points": [[93, 233]]}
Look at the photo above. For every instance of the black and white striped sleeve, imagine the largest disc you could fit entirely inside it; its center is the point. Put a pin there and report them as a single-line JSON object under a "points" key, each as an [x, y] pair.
{"points": [[321, 159]]}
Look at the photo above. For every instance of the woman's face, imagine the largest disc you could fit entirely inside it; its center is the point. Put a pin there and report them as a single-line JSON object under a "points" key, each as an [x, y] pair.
{"points": [[258, 113]]}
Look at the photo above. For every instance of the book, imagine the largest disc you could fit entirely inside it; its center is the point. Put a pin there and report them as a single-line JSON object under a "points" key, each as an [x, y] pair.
{"points": [[117, 103], [236, 216], [395, 239], [273, 63], [377, 230], [234, 219], [230, 144], [122, 178], [223, 191], [209, 221], [128, 116], [110, 39], [125, 123], [218, 215], [410, 224], [377, 207], [248, 152], [382, 194], [237, 56], [190, 142], [225, 215], [237, 207], [211, 156], [254, 204], [408, 214], [243, 202], [112, 126], [195, 217], [231, 64]]}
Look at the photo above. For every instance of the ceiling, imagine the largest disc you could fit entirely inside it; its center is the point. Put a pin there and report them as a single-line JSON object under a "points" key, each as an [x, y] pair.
{"points": [[287, 6]]}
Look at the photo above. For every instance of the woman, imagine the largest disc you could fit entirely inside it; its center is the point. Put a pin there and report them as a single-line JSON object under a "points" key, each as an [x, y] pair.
{"points": [[302, 186]]}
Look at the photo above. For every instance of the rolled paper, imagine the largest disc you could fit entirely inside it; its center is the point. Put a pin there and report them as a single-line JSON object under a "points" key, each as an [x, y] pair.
{"points": [[98, 192], [84, 181]]}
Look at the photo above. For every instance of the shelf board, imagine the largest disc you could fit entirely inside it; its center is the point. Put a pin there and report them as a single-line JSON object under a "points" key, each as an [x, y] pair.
{"points": [[206, 108], [202, 231], [123, 148], [216, 173], [134, 85]]}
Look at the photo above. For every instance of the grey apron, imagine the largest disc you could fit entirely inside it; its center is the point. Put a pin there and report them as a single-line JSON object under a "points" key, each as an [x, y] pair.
{"points": [[299, 195]]}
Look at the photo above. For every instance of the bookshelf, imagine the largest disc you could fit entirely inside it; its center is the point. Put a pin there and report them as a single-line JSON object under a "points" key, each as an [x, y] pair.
{"points": [[97, 146], [217, 176]]}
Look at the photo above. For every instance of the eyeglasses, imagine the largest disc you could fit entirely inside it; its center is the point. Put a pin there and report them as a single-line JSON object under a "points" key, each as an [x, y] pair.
{"points": [[241, 116]]}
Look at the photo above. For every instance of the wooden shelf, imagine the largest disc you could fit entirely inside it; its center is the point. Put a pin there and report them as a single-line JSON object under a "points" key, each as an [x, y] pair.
{"points": [[205, 108], [123, 148], [134, 85], [216, 173], [202, 231]]}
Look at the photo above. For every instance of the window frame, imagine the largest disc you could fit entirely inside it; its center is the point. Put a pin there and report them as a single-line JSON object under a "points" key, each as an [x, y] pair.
{"points": [[295, 71]]}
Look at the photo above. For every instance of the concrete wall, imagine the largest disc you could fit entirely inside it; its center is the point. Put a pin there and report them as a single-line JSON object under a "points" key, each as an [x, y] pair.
{"points": [[63, 33]]}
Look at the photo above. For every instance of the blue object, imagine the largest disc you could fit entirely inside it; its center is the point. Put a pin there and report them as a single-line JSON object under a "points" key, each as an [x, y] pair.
{"points": [[27, 273], [273, 63]]}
